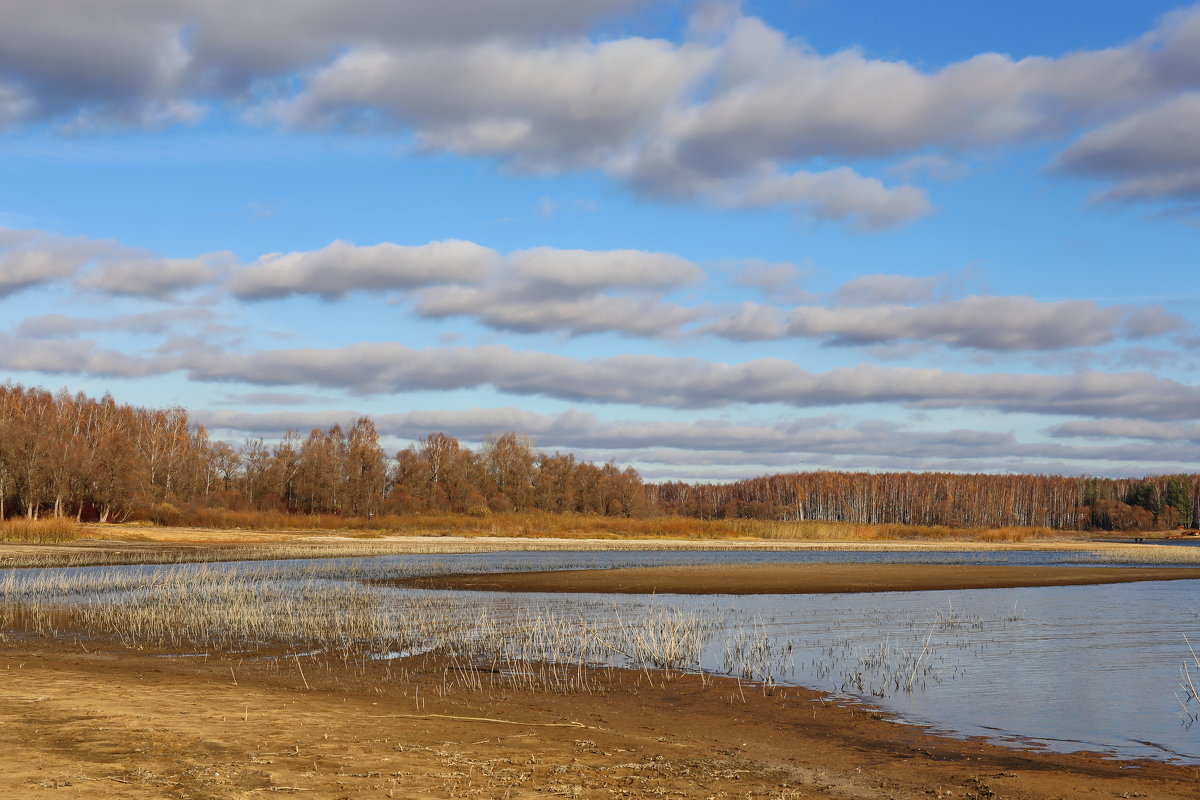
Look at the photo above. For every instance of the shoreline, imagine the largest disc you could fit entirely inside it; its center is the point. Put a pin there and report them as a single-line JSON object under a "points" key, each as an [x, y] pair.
{"points": [[171, 545], [795, 578], [136, 725]]}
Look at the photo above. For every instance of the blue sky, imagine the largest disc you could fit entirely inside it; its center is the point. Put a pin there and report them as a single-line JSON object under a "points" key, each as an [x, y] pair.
{"points": [[710, 240]]}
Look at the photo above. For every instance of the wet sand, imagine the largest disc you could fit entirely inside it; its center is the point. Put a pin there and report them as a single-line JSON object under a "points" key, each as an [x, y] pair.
{"points": [[119, 724], [798, 578]]}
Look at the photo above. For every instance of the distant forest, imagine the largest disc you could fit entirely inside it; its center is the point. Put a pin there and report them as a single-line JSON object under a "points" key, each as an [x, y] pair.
{"points": [[97, 460]]}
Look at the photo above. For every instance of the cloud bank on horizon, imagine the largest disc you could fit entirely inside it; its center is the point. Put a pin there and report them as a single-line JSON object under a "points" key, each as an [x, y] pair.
{"points": [[707, 239]]}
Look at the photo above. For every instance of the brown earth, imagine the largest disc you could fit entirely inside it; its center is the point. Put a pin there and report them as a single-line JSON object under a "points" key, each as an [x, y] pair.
{"points": [[131, 725], [798, 578], [111, 543]]}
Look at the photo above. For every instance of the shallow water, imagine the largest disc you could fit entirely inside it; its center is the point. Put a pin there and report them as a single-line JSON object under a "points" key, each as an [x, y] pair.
{"points": [[1065, 668], [466, 563]]}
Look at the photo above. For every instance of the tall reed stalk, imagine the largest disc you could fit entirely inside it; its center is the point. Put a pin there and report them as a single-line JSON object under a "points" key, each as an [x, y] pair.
{"points": [[1189, 700], [264, 611]]}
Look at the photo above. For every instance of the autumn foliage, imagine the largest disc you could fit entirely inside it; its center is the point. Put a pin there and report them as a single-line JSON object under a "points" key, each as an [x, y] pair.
{"points": [[945, 499], [74, 456], [64, 455]]}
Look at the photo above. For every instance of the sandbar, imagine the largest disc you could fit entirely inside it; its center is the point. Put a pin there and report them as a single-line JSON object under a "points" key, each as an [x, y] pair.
{"points": [[798, 578]]}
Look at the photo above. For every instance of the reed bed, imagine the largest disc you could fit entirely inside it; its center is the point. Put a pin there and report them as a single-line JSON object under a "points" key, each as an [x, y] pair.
{"points": [[332, 614], [39, 531], [542, 524], [1145, 554], [891, 669], [116, 553], [752, 653], [508, 524], [261, 613], [819, 530]]}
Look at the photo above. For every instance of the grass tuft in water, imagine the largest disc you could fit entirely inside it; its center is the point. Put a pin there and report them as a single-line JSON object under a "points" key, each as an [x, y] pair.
{"points": [[1188, 696]]}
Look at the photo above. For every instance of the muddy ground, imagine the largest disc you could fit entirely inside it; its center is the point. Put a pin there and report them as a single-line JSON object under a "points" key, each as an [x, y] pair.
{"points": [[77, 721], [798, 578]]}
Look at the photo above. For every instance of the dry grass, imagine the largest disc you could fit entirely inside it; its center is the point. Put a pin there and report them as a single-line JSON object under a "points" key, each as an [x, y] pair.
{"points": [[1189, 700], [817, 530], [285, 614], [1148, 554], [54, 529], [540, 524], [528, 524]]}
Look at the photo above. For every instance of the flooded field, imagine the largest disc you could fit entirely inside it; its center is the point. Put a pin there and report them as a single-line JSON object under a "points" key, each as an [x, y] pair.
{"points": [[1065, 668]]}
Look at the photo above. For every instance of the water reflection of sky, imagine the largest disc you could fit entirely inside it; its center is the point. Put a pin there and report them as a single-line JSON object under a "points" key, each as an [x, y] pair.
{"points": [[446, 563], [1067, 668]]}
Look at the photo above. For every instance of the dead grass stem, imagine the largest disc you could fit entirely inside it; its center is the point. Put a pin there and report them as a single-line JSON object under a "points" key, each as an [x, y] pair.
{"points": [[540, 524], [46, 530]]}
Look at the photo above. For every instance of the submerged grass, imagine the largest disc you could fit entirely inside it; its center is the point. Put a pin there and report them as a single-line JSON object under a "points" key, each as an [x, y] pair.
{"points": [[1188, 695], [333, 613], [264, 613]]}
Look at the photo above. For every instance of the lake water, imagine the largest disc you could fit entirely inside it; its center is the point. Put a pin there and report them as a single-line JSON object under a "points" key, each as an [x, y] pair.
{"points": [[1065, 668]]}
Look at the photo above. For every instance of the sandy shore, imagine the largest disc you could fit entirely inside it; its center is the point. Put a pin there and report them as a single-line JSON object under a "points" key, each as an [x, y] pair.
{"points": [[130, 725], [799, 578]]}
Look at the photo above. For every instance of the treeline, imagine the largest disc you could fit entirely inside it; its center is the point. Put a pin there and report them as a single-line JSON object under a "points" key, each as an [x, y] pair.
{"points": [[75, 456], [936, 498], [71, 455]]}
